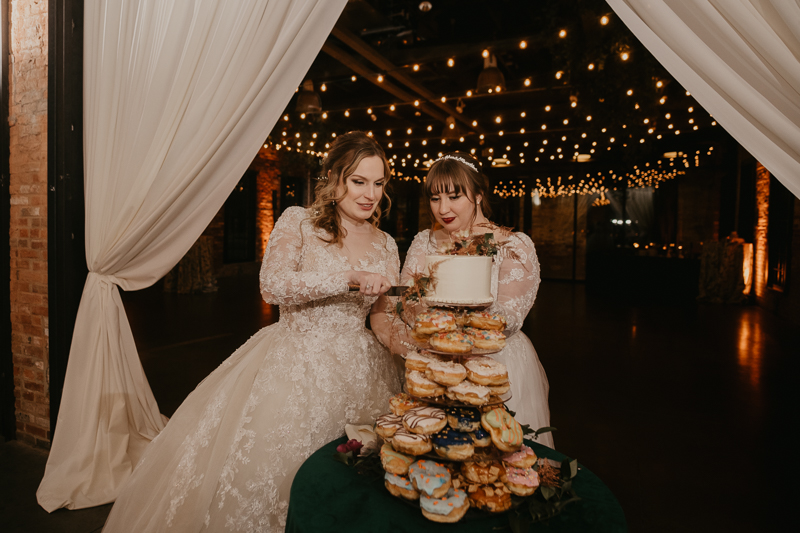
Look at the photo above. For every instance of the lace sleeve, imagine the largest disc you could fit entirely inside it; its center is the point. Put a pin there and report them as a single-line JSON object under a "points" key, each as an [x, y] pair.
{"points": [[392, 260], [415, 258], [282, 282], [518, 283], [386, 325]]}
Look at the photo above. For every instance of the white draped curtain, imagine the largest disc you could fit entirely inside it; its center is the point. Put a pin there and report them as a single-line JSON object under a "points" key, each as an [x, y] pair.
{"points": [[178, 97], [740, 59]]}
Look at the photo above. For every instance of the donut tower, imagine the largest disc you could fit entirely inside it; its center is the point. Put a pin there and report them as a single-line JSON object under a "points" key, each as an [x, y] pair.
{"points": [[450, 442]]}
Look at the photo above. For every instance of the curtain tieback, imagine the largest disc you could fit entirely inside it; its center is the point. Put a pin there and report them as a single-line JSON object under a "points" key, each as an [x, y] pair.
{"points": [[108, 280]]}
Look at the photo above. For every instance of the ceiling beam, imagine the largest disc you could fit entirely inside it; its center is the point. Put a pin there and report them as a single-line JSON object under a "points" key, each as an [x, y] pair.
{"points": [[353, 64], [369, 53]]}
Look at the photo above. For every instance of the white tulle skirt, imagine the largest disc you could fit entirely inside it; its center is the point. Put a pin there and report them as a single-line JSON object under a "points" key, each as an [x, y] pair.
{"points": [[227, 458], [529, 386]]}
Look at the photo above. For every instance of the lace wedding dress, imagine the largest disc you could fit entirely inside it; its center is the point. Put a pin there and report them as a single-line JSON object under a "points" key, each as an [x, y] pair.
{"points": [[226, 459], [515, 281]]}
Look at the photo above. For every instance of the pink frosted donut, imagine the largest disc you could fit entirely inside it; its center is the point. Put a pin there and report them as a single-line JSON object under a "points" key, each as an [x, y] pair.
{"points": [[520, 481], [524, 458]]}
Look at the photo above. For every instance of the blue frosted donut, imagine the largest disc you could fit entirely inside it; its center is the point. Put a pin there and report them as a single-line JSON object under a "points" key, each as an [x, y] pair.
{"points": [[464, 418], [452, 444], [481, 437]]}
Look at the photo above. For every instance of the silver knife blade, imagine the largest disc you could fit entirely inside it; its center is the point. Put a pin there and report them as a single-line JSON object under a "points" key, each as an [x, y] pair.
{"points": [[397, 290]]}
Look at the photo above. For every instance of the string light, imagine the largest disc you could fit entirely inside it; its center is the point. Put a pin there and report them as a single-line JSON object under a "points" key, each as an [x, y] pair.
{"points": [[562, 33], [604, 20], [451, 62], [523, 45]]}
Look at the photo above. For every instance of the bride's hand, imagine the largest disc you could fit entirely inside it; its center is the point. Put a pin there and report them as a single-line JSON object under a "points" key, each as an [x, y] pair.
{"points": [[370, 284]]}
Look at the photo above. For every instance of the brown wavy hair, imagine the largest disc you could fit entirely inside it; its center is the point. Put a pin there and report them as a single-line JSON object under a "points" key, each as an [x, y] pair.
{"points": [[344, 156], [449, 175]]}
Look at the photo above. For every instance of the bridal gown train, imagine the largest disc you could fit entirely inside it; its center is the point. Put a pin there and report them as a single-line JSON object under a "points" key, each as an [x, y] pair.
{"points": [[515, 282], [226, 459]]}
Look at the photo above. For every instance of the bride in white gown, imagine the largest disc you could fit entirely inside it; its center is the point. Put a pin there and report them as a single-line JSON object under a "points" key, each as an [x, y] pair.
{"points": [[457, 191], [227, 458]]}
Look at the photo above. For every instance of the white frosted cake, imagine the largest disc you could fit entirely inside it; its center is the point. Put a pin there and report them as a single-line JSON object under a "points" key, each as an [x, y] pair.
{"points": [[461, 279]]}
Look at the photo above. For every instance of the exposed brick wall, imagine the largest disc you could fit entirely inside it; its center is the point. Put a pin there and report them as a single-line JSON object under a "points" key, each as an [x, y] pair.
{"points": [[762, 221], [267, 182], [28, 225]]}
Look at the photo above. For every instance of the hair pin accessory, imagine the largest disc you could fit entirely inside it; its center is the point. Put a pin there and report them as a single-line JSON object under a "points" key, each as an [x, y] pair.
{"points": [[459, 159]]}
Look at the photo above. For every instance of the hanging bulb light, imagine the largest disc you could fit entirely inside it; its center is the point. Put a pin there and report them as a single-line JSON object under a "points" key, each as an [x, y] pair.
{"points": [[308, 101], [490, 77], [451, 131]]}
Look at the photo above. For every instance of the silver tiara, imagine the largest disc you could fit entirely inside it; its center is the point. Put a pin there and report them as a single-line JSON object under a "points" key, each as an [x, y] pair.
{"points": [[459, 159]]}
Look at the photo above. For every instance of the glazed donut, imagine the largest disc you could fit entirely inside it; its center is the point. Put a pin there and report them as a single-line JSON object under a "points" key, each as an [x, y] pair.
{"points": [[434, 321], [424, 420], [395, 462], [420, 386], [463, 418], [486, 320], [481, 472], [420, 361], [521, 481], [497, 390], [462, 318], [523, 458], [448, 509], [386, 425], [469, 393], [481, 438], [402, 402], [486, 371], [422, 339], [410, 443], [430, 478], [400, 486], [446, 373], [494, 498], [506, 432], [486, 339], [453, 445], [451, 342]]}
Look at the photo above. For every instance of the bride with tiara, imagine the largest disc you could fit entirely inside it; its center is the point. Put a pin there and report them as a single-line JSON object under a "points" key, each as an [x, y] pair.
{"points": [[227, 458], [458, 193]]}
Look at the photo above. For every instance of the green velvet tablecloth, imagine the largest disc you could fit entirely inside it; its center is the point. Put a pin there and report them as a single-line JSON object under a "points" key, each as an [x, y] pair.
{"points": [[329, 496]]}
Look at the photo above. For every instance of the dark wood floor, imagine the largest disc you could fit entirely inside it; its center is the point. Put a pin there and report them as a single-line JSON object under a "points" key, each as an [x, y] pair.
{"points": [[684, 410]]}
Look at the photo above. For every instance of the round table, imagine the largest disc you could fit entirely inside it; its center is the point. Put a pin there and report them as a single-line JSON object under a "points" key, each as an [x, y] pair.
{"points": [[329, 496]]}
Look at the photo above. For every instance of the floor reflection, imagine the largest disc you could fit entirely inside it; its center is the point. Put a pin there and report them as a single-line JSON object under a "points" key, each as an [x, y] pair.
{"points": [[750, 348]]}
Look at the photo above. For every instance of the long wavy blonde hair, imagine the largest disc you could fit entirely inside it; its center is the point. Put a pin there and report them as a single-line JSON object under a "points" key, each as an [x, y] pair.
{"points": [[344, 156]]}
